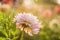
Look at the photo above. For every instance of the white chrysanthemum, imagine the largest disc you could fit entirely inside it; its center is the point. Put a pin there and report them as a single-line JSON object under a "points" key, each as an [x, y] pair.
{"points": [[27, 23], [55, 25]]}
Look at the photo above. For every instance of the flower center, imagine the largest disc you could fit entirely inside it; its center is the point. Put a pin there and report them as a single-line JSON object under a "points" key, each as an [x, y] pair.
{"points": [[25, 25]]}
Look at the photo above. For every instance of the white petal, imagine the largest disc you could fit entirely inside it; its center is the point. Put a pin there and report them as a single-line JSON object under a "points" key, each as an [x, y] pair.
{"points": [[30, 33], [21, 28], [25, 30]]}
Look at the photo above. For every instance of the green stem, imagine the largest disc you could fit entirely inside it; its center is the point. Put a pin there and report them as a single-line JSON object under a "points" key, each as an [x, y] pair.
{"points": [[22, 35]]}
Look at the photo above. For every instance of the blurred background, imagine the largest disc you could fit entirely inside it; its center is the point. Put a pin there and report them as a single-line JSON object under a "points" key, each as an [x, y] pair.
{"points": [[47, 11]]}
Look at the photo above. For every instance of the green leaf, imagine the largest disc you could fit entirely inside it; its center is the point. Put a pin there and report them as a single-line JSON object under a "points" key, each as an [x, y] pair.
{"points": [[14, 32], [1, 15], [3, 34], [1, 28], [1, 38]]}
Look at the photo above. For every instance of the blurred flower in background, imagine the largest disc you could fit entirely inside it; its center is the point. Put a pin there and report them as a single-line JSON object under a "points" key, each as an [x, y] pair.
{"points": [[28, 23], [55, 24], [16, 3], [5, 5], [58, 1], [5, 8], [57, 8], [47, 13], [9, 2], [28, 3]]}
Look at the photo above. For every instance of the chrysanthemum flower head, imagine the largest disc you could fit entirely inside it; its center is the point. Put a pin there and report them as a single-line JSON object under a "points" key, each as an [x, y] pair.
{"points": [[28, 23], [55, 25]]}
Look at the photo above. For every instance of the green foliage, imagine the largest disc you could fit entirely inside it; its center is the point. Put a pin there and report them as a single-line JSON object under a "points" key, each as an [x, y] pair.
{"points": [[1, 38]]}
